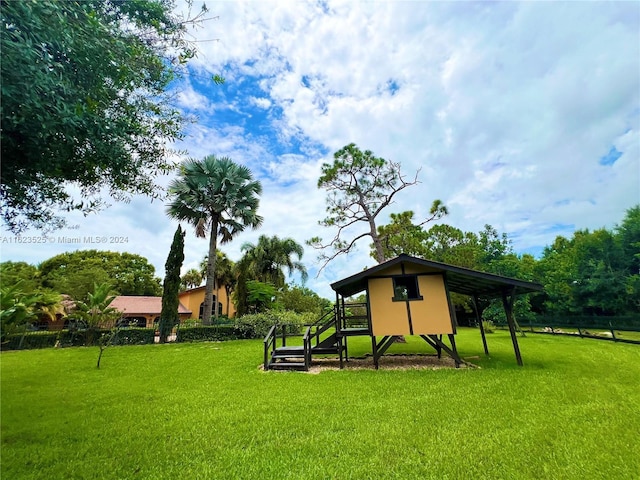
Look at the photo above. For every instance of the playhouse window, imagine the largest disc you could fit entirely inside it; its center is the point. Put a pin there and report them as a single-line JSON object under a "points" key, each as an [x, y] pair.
{"points": [[406, 288]]}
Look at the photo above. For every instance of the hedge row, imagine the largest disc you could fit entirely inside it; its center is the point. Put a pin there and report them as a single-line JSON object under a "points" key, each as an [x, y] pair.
{"points": [[246, 327], [76, 338], [134, 336], [207, 333], [30, 341]]}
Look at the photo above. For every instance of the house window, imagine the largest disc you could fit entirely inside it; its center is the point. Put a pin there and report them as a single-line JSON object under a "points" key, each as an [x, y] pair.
{"points": [[215, 302], [406, 288]]}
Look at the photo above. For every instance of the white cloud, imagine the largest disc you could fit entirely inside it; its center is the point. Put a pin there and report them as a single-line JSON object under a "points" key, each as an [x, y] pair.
{"points": [[507, 109], [190, 100], [262, 102]]}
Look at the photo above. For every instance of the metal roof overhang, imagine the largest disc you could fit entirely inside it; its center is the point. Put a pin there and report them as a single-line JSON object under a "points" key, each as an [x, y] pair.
{"points": [[459, 279]]}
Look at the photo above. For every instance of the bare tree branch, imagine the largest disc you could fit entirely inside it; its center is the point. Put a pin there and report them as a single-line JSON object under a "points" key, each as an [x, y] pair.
{"points": [[359, 187]]}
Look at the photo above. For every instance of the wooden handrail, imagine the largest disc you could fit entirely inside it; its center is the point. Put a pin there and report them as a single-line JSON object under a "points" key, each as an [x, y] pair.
{"points": [[270, 339], [306, 338]]}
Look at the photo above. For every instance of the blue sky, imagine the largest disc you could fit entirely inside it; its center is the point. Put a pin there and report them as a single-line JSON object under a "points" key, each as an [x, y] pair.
{"points": [[525, 116]]}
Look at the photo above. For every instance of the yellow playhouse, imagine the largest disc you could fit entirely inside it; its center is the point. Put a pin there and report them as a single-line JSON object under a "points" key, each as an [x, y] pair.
{"points": [[405, 296]]}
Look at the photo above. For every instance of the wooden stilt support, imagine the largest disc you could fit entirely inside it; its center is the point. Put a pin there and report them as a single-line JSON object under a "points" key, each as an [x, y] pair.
{"points": [[374, 350], [507, 301], [479, 320], [436, 342], [452, 339], [346, 348], [381, 347]]}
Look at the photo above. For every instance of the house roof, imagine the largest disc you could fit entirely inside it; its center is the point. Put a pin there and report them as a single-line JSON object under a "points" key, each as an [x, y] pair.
{"points": [[459, 279], [192, 290], [142, 305]]}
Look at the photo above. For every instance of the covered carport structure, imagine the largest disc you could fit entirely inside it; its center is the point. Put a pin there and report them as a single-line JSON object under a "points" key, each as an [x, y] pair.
{"points": [[422, 288]]}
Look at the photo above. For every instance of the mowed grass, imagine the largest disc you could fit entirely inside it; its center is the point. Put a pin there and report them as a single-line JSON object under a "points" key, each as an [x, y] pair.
{"points": [[206, 410]]}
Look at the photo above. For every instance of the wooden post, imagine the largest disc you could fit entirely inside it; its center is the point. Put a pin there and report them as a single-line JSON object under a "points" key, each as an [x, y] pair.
{"points": [[374, 349], [452, 340], [479, 320], [507, 302]]}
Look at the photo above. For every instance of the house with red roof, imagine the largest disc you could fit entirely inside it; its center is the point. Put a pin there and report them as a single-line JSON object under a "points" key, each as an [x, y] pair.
{"points": [[144, 311]]}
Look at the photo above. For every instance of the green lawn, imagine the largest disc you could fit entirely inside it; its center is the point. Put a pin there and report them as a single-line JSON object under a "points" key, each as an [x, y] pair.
{"points": [[207, 411]]}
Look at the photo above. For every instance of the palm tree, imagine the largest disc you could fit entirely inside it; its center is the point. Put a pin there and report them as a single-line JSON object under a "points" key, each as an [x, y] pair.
{"points": [[191, 279], [96, 311], [225, 275], [219, 195], [18, 309], [270, 255]]}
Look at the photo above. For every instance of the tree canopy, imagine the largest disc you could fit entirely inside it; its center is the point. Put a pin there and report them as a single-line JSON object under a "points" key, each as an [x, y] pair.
{"points": [[191, 279], [96, 309], [19, 307], [75, 273], [270, 255], [359, 187], [302, 300], [592, 273], [13, 272], [85, 107]]}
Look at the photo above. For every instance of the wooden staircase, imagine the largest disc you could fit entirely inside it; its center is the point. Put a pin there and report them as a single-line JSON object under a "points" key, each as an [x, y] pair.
{"points": [[288, 358], [318, 339]]}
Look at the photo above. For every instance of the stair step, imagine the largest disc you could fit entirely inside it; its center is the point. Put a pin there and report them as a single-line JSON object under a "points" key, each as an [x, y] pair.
{"points": [[288, 366], [351, 332], [324, 350], [279, 356], [288, 352], [292, 350]]}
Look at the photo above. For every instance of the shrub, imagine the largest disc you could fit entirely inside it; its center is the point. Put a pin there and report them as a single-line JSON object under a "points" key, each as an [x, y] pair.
{"points": [[190, 322], [222, 320], [488, 326], [72, 338], [197, 322], [31, 340], [257, 325], [134, 336], [206, 333]]}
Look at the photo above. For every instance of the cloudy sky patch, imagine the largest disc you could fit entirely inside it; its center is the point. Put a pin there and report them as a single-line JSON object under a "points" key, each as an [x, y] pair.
{"points": [[522, 115]]}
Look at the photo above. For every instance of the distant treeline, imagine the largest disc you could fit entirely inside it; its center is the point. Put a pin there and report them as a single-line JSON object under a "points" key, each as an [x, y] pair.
{"points": [[592, 273]]}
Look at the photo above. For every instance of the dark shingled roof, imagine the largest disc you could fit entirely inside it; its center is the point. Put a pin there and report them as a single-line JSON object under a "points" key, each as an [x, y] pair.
{"points": [[459, 279]]}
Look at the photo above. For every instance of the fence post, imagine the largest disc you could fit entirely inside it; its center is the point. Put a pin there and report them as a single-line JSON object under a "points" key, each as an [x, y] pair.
{"points": [[613, 334]]}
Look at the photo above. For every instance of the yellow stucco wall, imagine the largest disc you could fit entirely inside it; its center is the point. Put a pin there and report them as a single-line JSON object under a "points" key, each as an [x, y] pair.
{"points": [[429, 316], [193, 298], [387, 317]]}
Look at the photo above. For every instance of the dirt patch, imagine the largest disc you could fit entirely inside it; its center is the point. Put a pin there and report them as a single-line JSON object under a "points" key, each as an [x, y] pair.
{"points": [[387, 362]]}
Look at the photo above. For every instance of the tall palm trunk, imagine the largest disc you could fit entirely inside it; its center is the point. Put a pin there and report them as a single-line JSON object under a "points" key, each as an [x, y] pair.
{"points": [[211, 274], [217, 300], [226, 290]]}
